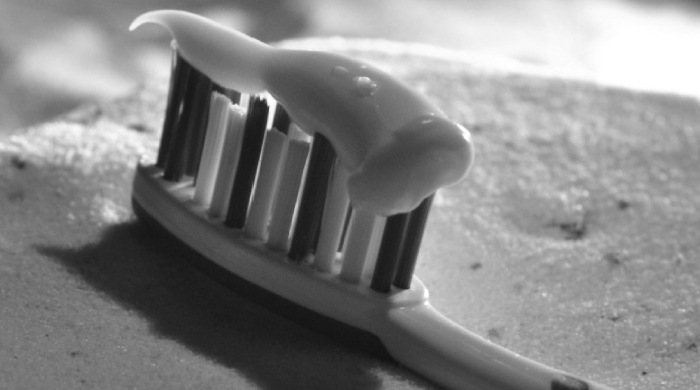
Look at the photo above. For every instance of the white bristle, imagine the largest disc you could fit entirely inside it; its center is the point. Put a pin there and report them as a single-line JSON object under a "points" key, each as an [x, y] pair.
{"points": [[334, 213], [229, 161], [374, 245], [357, 243], [274, 106], [273, 155], [244, 101], [287, 195], [295, 132], [213, 146]]}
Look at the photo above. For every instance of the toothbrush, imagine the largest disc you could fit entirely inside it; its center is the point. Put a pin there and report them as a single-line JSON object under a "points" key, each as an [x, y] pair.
{"points": [[304, 180]]}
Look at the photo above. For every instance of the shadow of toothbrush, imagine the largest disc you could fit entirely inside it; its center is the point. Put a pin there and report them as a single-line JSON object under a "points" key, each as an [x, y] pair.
{"points": [[151, 276]]}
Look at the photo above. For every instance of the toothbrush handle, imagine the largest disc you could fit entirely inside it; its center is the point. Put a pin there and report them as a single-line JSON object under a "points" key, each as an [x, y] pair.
{"points": [[431, 344]]}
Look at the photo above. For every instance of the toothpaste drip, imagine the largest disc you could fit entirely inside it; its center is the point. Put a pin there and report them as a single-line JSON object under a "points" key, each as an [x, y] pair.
{"points": [[398, 147]]}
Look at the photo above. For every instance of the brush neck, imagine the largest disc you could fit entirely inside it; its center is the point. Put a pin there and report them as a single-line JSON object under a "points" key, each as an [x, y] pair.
{"points": [[429, 343]]}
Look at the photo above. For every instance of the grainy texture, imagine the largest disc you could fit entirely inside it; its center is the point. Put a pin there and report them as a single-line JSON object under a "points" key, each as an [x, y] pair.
{"points": [[574, 241]]}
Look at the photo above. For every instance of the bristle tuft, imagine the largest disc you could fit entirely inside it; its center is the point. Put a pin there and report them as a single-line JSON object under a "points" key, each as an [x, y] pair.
{"points": [[411, 243], [253, 136], [314, 194]]}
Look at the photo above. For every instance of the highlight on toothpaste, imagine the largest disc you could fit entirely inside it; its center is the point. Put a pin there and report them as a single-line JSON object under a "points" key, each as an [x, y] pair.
{"points": [[397, 147]]}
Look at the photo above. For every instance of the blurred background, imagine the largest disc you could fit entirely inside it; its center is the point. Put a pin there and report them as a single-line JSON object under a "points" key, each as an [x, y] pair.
{"points": [[56, 54]]}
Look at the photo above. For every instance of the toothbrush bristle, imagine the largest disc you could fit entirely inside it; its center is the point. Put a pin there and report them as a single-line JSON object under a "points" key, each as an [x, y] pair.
{"points": [[282, 215], [197, 124], [266, 187], [393, 241], [182, 154], [175, 149], [211, 158], [335, 211], [310, 212], [251, 148], [278, 184], [231, 150], [357, 245], [411, 243], [232, 95], [281, 120], [176, 94]]}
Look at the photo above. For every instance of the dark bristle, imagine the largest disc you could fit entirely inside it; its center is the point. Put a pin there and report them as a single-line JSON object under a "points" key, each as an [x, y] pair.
{"points": [[389, 252], [197, 124], [348, 216], [176, 160], [251, 147], [281, 121], [310, 212], [412, 240], [233, 95], [178, 83]]}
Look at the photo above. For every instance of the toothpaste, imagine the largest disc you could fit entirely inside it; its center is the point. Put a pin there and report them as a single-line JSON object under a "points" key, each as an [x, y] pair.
{"points": [[397, 146]]}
